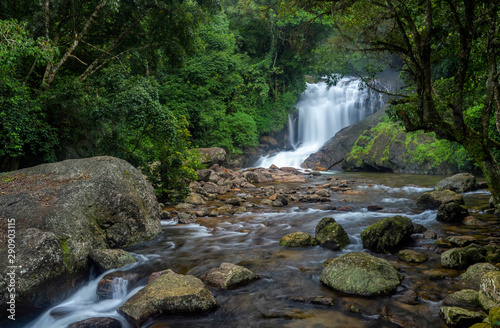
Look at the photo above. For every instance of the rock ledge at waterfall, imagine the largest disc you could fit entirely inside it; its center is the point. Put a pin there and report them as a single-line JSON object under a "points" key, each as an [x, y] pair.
{"points": [[376, 144], [62, 212]]}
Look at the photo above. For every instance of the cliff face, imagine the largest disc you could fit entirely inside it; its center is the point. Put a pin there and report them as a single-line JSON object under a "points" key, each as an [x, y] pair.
{"points": [[376, 144]]}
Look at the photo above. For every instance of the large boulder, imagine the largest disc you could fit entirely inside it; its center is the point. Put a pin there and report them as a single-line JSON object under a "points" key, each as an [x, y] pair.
{"points": [[387, 234], [452, 213], [490, 286], [61, 212], [431, 200], [461, 182], [475, 272], [229, 276], [461, 258], [377, 144], [360, 273], [214, 155], [168, 293], [330, 234]]}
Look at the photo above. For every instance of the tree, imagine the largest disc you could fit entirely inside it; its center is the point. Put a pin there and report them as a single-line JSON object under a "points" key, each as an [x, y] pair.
{"points": [[426, 36]]}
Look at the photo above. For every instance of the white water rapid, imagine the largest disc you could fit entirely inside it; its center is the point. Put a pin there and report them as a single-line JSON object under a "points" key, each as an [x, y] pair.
{"points": [[322, 112]]}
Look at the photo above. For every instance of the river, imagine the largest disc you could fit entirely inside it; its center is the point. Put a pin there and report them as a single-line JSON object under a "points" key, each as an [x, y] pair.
{"points": [[251, 240]]}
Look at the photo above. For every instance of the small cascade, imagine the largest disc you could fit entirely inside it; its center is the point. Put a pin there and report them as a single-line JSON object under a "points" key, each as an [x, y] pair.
{"points": [[322, 112], [120, 288]]}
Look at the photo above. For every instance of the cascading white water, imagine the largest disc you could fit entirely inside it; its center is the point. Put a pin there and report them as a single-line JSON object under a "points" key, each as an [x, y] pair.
{"points": [[322, 112]]}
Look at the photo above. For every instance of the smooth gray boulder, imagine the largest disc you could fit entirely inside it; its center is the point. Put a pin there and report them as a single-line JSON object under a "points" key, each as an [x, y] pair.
{"points": [[460, 183], [63, 211]]}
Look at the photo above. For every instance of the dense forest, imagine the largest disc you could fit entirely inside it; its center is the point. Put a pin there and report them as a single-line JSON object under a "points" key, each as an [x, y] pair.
{"points": [[146, 81]]}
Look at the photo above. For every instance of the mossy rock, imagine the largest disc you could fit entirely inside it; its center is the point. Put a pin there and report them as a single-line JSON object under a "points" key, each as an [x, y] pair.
{"points": [[490, 285], [388, 234], [475, 272], [360, 273], [463, 298], [409, 255], [107, 259], [298, 239], [431, 200], [458, 317], [452, 213], [169, 293], [331, 234], [461, 258], [494, 316], [229, 276]]}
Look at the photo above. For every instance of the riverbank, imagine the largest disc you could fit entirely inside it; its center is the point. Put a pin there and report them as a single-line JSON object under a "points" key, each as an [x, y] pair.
{"points": [[290, 283]]}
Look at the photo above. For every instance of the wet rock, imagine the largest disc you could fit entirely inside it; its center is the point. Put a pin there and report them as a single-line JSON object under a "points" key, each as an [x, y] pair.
{"points": [[463, 298], [270, 141], [323, 192], [430, 235], [204, 175], [214, 155], [441, 242], [109, 285], [431, 200], [234, 201], [100, 322], [360, 273], [486, 303], [374, 208], [319, 300], [452, 213], [65, 210], [397, 318], [493, 258], [330, 234], [344, 208], [229, 276], [458, 317], [494, 317], [184, 206], [409, 255], [475, 272], [418, 228], [434, 274], [410, 297], [279, 198], [481, 325], [490, 285], [387, 234], [185, 218], [461, 258], [169, 293], [298, 239], [460, 183], [472, 221], [462, 240], [107, 259]]}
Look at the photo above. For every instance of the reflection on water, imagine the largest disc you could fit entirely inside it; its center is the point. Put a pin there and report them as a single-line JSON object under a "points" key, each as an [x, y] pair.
{"points": [[251, 240]]}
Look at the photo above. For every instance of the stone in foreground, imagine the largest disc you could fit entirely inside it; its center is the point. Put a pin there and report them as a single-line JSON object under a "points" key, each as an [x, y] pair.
{"points": [[229, 276], [363, 274], [167, 294], [458, 317], [475, 272], [409, 255], [298, 239], [388, 234]]}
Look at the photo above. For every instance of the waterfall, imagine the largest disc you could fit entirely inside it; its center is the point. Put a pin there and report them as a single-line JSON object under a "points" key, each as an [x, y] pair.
{"points": [[322, 112]]}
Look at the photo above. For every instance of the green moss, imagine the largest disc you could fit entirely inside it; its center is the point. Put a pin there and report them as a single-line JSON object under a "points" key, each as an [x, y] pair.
{"points": [[66, 254]]}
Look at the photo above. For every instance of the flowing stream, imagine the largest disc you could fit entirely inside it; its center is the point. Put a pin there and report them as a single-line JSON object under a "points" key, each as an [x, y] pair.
{"points": [[251, 239], [323, 111]]}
